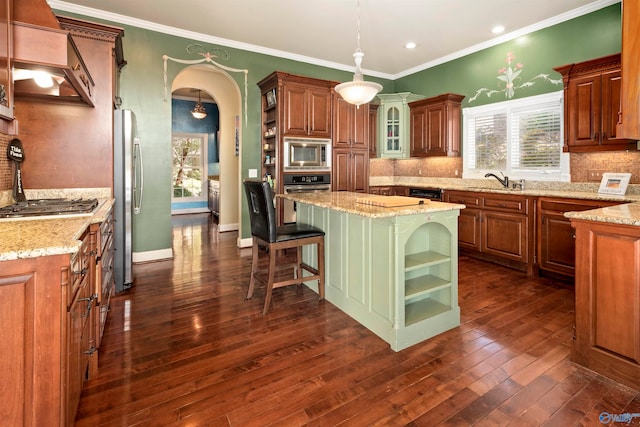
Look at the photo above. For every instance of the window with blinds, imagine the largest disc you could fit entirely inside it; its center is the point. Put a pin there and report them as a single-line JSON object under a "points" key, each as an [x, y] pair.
{"points": [[520, 138]]}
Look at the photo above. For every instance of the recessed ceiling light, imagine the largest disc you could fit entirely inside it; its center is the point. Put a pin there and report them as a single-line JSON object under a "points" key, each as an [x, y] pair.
{"points": [[410, 45], [497, 29]]}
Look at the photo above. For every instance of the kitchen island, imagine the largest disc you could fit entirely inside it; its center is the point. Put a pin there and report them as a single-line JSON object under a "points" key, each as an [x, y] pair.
{"points": [[393, 269]]}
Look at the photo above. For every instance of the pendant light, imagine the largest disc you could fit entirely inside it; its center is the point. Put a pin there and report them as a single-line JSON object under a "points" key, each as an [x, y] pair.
{"points": [[358, 91], [198, 111]]}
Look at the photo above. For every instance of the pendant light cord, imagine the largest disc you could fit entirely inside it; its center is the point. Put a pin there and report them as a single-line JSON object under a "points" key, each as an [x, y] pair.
{"points": [[358, 24]]}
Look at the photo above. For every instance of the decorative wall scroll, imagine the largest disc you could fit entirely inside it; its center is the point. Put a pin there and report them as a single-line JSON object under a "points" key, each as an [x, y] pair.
{"points": [[509, 80], [207, 56]]}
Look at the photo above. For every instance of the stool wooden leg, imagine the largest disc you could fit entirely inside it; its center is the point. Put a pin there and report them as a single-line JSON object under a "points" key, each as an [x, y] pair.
{"points": [[254, 267], [298, 270], [272, 274], [321, 268]]}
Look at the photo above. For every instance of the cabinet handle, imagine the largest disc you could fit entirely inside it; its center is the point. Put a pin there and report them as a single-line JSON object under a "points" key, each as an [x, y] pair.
{"points": [[595, 136], [543, 219], [81, 272], [502, 205], [89, 303], [604, 136], [573, 236], [91, 350]]}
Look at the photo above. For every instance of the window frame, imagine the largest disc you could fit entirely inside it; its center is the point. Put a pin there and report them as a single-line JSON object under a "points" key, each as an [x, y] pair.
{"points": [[204, 138], [511, 108]]}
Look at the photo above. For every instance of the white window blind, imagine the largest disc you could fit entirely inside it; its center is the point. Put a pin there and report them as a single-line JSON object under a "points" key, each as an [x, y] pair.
{"points": [[521, 138]]}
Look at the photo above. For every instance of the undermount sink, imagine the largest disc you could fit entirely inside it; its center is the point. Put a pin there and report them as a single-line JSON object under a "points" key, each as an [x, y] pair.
{"points": [[510, 189]]}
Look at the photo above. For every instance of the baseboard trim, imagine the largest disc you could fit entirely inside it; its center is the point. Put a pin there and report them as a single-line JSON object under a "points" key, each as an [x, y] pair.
{"points": [[150, 256]]}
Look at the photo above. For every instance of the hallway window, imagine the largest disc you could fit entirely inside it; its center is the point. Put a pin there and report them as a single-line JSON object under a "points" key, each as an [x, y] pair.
{"points": [[189, 177]]}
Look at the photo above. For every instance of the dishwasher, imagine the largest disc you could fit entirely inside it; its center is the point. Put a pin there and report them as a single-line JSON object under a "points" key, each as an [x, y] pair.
{"points": [[434, 194]]}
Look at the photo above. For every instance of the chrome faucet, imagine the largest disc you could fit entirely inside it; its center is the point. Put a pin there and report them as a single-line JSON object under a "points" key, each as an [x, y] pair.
{"points": [[504, 182]]}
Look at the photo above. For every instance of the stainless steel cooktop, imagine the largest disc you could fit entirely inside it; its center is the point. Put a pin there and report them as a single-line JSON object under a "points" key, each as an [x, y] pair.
{"points": [[49, 207]]}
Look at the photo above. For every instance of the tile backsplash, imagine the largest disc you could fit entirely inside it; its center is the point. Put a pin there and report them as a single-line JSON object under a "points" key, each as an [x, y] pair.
{"points": [[6, 180], [451, 167]]}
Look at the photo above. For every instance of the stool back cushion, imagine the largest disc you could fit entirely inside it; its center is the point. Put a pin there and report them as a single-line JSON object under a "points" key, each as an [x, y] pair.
{"points": [[262, 212]]}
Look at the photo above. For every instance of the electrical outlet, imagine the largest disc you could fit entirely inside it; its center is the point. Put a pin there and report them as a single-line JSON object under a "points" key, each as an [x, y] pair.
{"points": [[595, 175]]}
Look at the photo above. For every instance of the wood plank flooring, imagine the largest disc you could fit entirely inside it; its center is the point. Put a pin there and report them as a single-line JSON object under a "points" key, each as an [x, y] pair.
{"points": [[184, 348]]}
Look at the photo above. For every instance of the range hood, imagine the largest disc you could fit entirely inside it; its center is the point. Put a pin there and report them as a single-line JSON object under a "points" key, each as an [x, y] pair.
{"points": [[42, 47]]}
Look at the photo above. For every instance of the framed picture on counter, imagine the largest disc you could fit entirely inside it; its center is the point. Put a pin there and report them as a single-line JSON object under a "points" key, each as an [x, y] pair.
{"points": [[614, 183]]}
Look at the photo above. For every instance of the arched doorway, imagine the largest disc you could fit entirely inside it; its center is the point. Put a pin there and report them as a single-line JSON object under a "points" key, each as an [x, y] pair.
{"points": [[226, 93]]}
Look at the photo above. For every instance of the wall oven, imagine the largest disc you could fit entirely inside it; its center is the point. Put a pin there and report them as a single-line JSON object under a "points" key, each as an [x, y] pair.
{"points": [[294, 183], [307, 154]]}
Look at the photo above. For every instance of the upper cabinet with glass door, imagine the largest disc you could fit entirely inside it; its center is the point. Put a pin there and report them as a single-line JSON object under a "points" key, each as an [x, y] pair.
{"points": [[393, 122]]}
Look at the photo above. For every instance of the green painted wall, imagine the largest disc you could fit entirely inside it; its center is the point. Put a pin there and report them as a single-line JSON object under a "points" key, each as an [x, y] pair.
{"points": [[586, 37], [142, 90]]}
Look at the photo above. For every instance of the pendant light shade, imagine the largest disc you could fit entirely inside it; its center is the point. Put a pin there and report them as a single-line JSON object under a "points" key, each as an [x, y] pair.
{"points": [[358, 91], [198, 111]]}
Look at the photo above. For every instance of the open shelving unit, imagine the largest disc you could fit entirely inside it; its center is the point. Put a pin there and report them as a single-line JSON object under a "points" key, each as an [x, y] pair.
{"points": [[428, 275], [269, 133]]}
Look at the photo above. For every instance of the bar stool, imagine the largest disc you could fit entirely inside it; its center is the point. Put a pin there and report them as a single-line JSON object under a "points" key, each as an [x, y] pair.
{"points": [[265, 231]]}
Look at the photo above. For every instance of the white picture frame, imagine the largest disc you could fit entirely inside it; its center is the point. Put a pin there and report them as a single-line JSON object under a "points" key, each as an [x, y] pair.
{"points": [[614, 183]]}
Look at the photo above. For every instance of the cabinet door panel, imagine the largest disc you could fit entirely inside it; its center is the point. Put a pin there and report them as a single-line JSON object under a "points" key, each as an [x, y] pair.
{"points": [[584, 122], [469, 229], [360, 171], [436, 131], [616, 329], [611, 91], [320, 113], [557, 244], [505, 235], [418, 136], [360, 127], [343, 124], [295, 110], [340, 166]]}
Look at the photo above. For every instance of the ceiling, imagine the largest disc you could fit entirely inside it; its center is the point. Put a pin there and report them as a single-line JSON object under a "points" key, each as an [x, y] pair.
{"points": [[324, 32]]}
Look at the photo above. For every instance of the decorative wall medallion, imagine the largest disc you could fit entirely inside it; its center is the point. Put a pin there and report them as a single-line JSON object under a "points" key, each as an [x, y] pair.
{"points": [[509, 80]]}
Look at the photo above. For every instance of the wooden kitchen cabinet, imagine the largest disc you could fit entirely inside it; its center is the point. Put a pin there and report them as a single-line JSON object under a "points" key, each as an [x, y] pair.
{"points": [[295, 106], [629, 120], [497, 227], [393, 190], [351, 125], [373, 130], [46, 336], [350, 170], [435, 126], [350, 147], [607, 285], [592, 105], [307, 108], [556, 236], [104, 279]]}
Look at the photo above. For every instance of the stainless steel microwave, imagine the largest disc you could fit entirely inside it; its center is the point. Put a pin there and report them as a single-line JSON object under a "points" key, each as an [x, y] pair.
{"points": [[307, 154]]}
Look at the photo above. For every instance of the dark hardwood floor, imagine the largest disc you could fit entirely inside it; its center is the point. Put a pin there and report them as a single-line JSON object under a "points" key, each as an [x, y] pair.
{"points": [[184, 348]]}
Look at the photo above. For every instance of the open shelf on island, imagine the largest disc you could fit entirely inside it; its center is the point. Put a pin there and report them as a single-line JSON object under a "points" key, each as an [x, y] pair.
{"points": [[424, 285], [423, 309], [424, 259]]}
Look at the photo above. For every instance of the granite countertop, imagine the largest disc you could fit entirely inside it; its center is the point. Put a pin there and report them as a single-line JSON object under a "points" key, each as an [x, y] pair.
{"points": [[34, 237], [348, 202], [627, 213]]}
